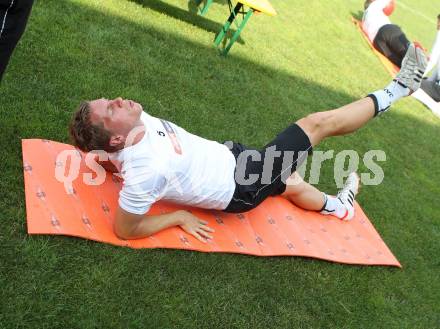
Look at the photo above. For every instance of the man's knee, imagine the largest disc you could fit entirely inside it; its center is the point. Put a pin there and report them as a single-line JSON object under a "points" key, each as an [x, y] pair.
{"points": [[294, 188], [315, 126]]}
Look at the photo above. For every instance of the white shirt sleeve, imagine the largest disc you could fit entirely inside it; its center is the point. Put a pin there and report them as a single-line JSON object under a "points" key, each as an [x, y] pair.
{"points": [[434, 58], [137, 197], [374, 18], [379, 4]]}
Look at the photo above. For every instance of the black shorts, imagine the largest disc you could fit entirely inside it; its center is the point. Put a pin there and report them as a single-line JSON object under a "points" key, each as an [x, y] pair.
{"points": [[263, 173], [392, 43]]}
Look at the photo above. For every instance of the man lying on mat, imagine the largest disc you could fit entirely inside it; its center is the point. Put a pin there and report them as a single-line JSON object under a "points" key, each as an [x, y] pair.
{"points": [[159, 160], [386, 37]]}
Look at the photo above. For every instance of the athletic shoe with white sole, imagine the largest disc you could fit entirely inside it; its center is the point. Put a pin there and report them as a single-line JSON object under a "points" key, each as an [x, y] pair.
{"points": [[347, 194], [413, 67]]}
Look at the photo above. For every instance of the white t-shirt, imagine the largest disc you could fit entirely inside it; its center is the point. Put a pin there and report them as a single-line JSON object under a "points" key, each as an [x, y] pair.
{"points": [[434, 59], [171, 164], [374, 18]]}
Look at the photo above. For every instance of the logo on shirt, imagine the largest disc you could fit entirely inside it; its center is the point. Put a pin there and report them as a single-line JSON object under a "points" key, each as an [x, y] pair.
{"points": [[172, 135]]}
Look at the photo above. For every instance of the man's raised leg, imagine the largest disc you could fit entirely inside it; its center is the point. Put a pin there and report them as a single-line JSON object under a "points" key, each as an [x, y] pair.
{"points": [[351, 117], [345, 120]]}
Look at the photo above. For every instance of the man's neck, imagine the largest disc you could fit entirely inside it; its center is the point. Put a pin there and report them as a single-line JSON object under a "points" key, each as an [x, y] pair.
{"points": [[135, 135]]}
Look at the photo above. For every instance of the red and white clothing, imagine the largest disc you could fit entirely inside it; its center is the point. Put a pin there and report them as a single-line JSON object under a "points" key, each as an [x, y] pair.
{"points": [[374, 18]]}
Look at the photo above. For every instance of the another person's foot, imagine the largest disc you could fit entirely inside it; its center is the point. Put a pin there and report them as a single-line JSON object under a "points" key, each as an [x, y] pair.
{"points": [[347, 195], [413, 67]]}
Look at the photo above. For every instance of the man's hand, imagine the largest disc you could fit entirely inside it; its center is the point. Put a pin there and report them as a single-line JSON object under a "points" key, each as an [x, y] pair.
{"points": [[195, 226], [131, 226]]}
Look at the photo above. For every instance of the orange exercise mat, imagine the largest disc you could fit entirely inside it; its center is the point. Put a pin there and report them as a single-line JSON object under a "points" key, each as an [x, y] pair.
{"points": [[275, 228], [390, 67]]}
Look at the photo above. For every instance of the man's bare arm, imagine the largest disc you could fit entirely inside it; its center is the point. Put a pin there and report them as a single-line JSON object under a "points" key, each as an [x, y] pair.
{"points": [[132, 226]]}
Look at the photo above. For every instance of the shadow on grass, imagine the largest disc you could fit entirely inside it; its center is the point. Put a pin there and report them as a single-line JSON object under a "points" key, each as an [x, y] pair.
{"points": [[194, 5], [190, 17]]}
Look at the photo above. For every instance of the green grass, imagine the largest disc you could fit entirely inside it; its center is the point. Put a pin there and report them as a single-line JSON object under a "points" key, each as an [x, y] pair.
{"points": [[308, 58]]}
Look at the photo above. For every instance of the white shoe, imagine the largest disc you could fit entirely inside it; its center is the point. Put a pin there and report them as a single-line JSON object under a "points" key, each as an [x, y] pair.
{"points": [[413, 67], [347, 194]]}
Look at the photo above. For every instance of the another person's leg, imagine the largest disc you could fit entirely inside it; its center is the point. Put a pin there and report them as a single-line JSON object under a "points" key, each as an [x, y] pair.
{"points": [[435, 76], [427, 100], [392, 43], [399, 44], [432, 89], [381, 44], [13, 18]]}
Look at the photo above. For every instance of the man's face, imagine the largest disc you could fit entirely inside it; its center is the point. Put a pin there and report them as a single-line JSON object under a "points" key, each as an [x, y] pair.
{"points": [[118, 115], [438, 24]]}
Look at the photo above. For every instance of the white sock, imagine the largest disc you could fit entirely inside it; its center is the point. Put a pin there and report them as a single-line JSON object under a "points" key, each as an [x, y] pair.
{"points": [[384, 98], [333, 206]]}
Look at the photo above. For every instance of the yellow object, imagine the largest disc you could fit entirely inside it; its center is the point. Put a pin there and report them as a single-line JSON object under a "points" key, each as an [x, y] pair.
{"points": [[263, 6]]}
